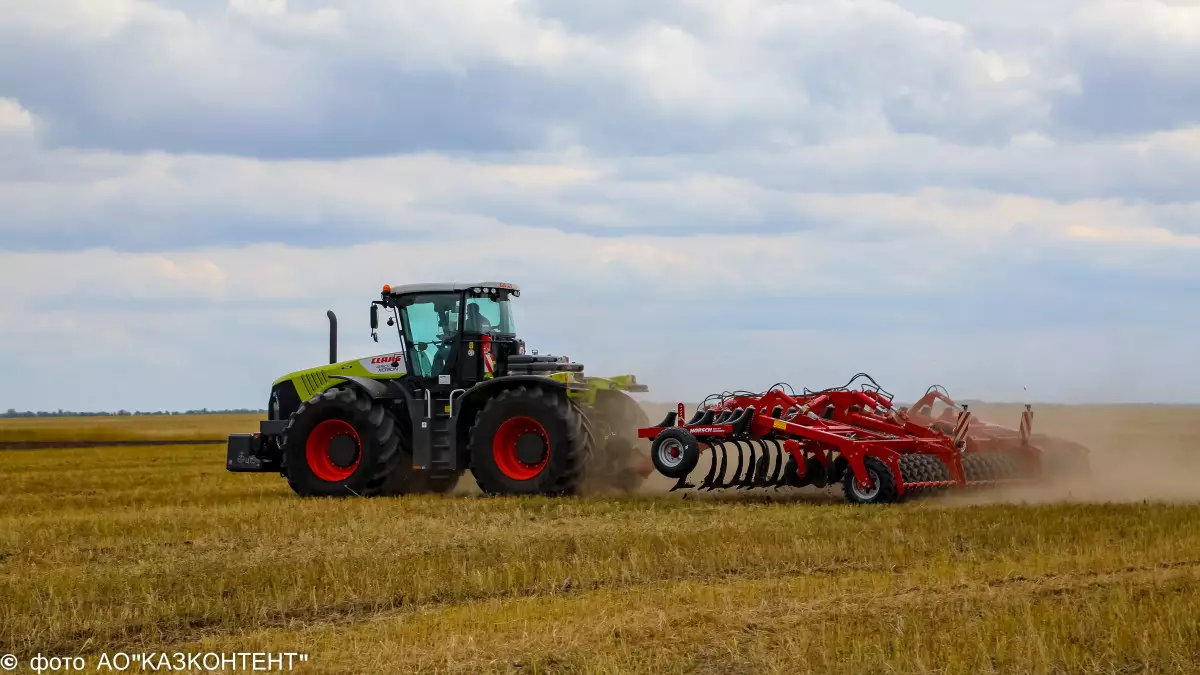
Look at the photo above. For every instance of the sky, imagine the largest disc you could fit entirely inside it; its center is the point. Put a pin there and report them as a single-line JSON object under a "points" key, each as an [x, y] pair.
{"points": [[996, 197]]}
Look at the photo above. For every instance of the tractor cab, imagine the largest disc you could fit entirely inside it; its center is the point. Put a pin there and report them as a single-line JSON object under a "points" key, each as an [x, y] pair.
{"points": [[452, 334]]}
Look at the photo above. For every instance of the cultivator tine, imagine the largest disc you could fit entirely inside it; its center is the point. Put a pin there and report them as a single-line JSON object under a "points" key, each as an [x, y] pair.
{"points": [[763, 479], [777, 473], [719, 480], [681, 484], [756, 474], [719, 475], [737, 472], [712, 469], [751, 466]]}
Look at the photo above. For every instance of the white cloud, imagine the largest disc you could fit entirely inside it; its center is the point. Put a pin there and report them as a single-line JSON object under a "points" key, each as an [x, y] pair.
{"points": [[771, 189], [17, 127], [258, 7], [689, 315]]}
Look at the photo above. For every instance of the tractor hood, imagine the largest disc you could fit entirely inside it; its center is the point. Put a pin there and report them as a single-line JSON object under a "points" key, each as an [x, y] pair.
{"points": [[313, 380]]}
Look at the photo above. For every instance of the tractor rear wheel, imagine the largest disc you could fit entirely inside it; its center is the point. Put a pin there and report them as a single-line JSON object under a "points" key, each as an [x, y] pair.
{"points": [[527, 440], [340, 443], [618, 462]]}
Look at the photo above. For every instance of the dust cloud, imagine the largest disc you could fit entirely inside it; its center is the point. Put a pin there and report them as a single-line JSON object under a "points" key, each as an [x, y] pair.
{"points": [[1137, 453]]}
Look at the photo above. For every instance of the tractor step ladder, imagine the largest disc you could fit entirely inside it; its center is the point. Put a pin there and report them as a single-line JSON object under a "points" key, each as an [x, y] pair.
{"points": [[433, 432]]}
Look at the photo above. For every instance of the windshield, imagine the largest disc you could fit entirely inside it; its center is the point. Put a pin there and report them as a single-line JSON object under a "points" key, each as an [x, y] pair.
{"points": [[489, 315]]}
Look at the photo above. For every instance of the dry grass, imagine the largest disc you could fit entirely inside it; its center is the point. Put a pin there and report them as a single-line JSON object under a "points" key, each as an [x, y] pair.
{"points": [[148, 548], [128, 428]]}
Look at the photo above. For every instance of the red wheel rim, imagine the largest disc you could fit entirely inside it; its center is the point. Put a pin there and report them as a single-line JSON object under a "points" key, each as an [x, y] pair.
{"points": [[316, 450], [504, 447]]}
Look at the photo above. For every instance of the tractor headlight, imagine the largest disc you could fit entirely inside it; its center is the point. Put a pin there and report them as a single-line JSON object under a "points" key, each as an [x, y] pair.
{"points": [[273, 411]]}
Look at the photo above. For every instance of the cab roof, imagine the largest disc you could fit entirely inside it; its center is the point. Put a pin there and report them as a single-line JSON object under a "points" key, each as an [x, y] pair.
{"points": [[448, 287]]}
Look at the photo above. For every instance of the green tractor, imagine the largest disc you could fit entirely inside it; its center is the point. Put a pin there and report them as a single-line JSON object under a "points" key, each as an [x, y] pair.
{"points": [[461, 394]]}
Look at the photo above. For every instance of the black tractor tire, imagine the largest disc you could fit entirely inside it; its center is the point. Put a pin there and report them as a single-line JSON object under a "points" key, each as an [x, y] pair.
{"points": [[883, 490], [614, 419], [532, 420], [363, 436], [615, 468]]}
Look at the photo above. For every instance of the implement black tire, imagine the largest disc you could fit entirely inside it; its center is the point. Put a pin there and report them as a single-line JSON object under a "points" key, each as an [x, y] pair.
{"points": [[374, 455], [675, 452], [527, 420], [883, 484]]}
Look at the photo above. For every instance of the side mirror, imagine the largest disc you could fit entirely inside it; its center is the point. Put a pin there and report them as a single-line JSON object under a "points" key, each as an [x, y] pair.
{"points": [[375, 322]]}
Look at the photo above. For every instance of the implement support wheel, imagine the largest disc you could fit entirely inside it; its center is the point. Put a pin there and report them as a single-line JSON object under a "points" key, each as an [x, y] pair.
{"points": [[882, 489], [675, 452]]}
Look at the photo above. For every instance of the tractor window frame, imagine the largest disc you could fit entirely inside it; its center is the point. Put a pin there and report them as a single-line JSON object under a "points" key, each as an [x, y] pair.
{"points": [[446, 342]]}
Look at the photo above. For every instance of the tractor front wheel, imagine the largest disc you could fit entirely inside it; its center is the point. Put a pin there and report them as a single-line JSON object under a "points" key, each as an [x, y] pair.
{"points": [[527, 440], [340, 443]]}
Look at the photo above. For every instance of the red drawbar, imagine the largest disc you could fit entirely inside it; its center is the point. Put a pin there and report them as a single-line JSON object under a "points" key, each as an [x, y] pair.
{"points": [[504, 447], [316, 450]]}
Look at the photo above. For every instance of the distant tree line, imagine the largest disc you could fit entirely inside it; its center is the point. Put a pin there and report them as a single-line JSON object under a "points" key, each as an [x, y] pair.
{"points": [[12, 412]]}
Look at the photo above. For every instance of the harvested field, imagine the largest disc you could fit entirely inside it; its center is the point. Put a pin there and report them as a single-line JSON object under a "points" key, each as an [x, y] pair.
{"points": [[143, 428], [159, 549]]}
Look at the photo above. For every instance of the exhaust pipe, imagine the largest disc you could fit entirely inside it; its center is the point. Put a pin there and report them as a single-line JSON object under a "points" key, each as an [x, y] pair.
{"points": [[332, 336]]}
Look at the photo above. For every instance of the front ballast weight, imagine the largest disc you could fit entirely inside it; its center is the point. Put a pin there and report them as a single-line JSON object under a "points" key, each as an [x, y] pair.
{"points": [[879, 453]]}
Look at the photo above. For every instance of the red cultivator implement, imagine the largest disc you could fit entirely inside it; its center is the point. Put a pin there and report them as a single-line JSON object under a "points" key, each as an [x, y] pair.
{"points": [[880, 453]]}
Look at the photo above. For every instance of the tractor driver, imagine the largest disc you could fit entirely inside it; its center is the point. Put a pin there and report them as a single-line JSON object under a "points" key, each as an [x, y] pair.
{"points": [[475, 321]]}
